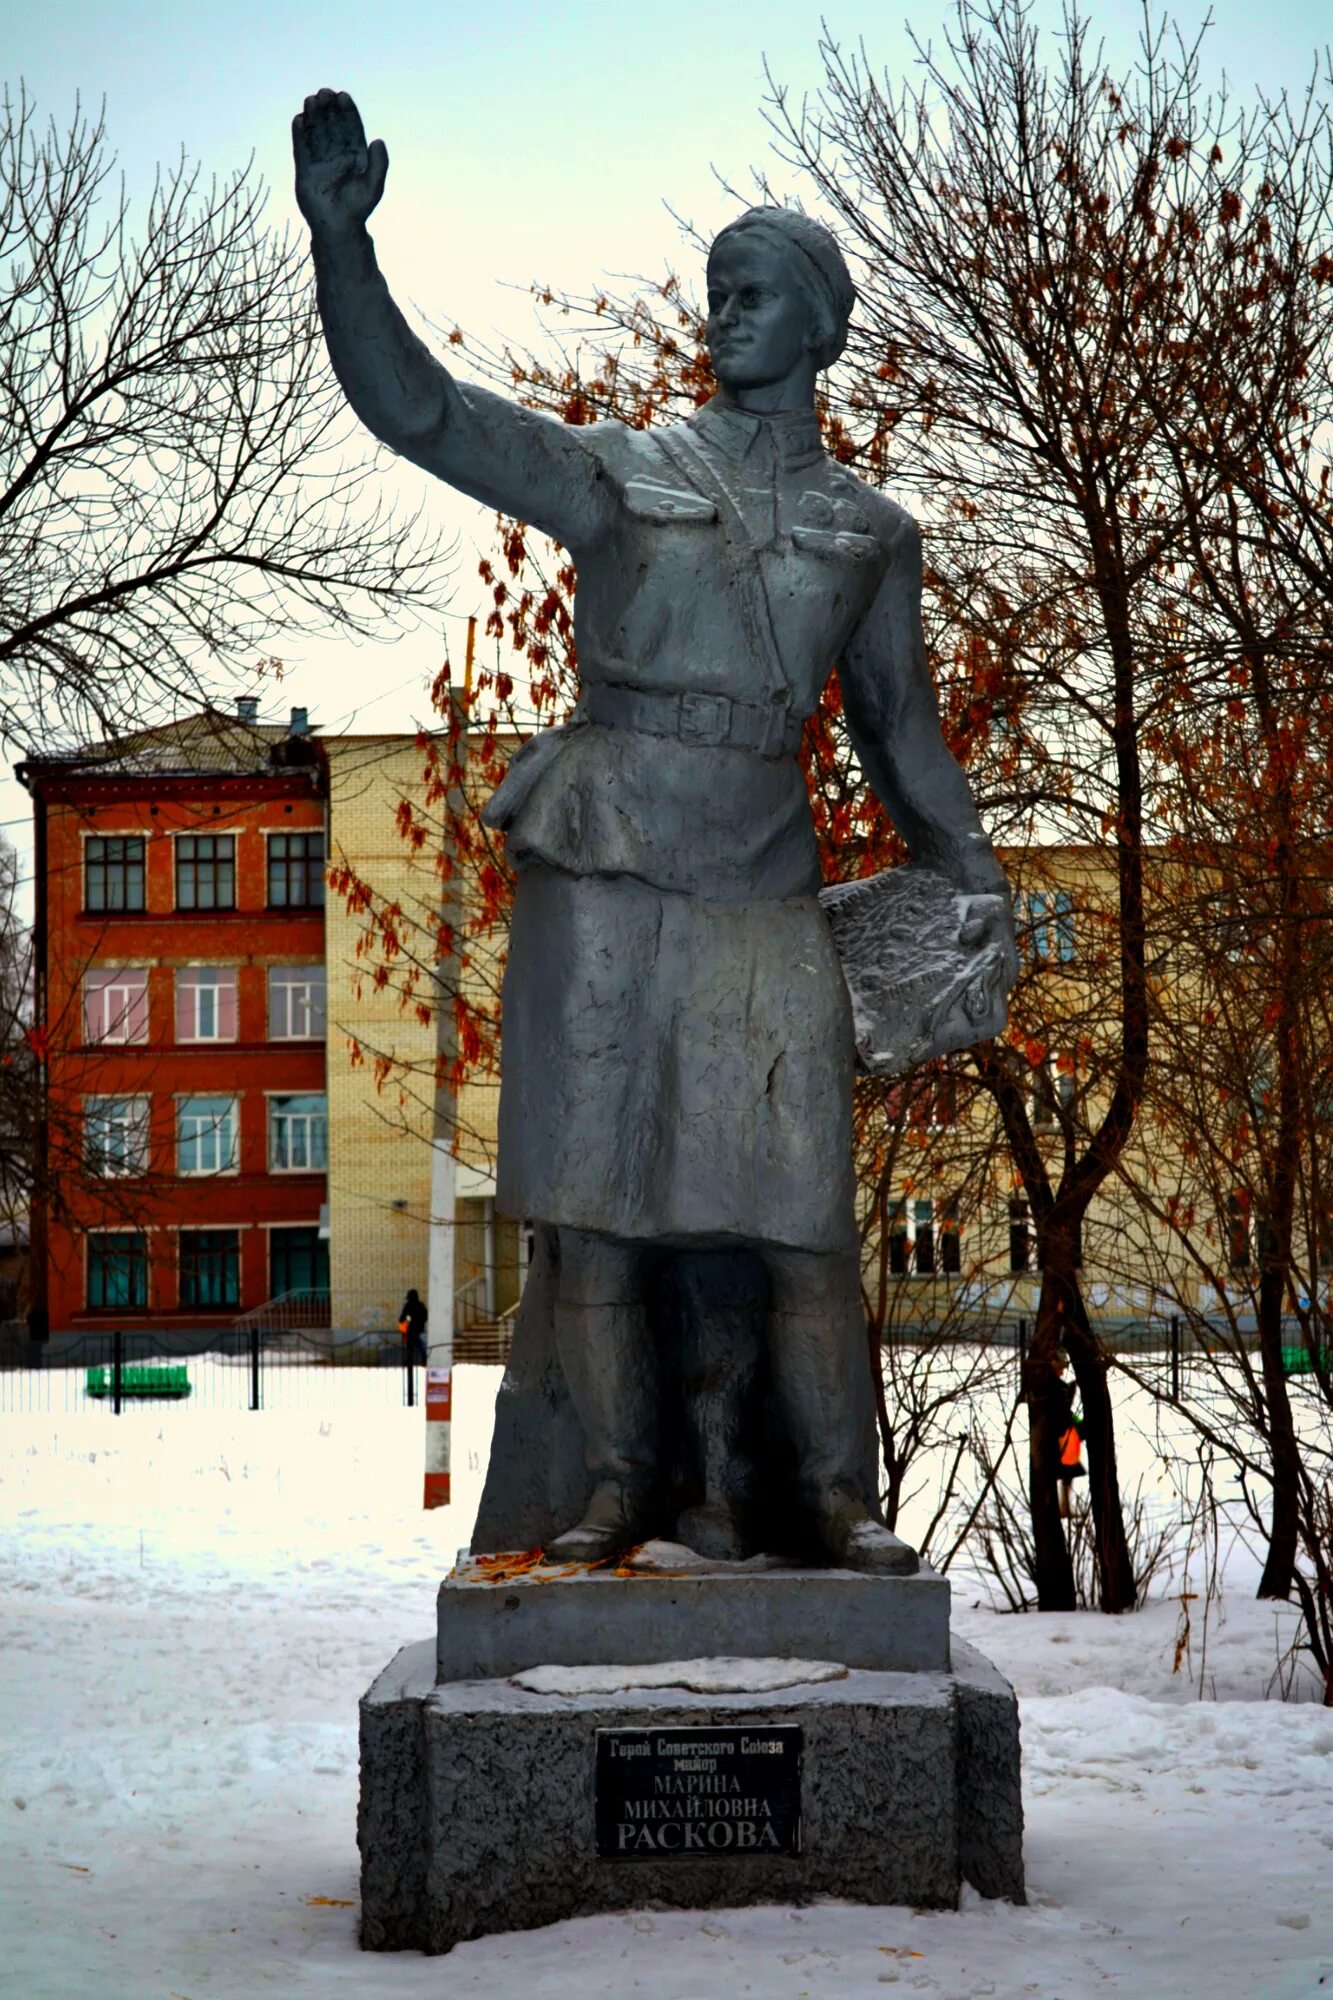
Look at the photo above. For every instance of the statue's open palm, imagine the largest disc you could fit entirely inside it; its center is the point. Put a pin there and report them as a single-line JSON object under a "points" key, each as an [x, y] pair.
{"points": [[339, 179]]}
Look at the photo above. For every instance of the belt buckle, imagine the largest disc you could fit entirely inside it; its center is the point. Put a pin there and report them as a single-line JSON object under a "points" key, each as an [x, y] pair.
{"points": [[705, 718]]}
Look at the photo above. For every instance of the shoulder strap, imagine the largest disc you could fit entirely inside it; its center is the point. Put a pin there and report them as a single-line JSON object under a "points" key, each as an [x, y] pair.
{"points": [[756, 611]]}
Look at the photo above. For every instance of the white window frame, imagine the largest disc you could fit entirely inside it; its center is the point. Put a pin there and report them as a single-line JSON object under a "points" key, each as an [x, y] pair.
{"points": [[1044, 1110], [906, 1207], [134, 1125], [186, 980], [1048, 926], [308, 1120], [229, 1124], [108, 975], [291, 981]]}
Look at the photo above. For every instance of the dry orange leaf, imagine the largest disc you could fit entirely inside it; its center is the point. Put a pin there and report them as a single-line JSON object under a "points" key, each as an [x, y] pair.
{"points": [[329, 1902]]}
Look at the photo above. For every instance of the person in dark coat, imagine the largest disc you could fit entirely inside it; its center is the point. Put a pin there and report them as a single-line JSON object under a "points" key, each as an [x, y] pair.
{"points": [[412, 1325]]}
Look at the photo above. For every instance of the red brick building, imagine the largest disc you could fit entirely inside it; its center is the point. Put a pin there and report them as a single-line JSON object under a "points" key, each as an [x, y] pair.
{"points": [[181, 991]]}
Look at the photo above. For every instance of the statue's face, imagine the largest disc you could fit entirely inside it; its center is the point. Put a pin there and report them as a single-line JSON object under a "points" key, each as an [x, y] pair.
{"points": [[759, 319]]}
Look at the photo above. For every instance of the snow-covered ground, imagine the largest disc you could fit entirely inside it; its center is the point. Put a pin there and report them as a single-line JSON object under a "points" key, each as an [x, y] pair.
{"points": [[194, 1598]]}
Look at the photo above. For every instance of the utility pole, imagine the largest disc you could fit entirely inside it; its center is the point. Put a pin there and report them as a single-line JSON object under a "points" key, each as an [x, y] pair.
{"points": [[440, 1279]]}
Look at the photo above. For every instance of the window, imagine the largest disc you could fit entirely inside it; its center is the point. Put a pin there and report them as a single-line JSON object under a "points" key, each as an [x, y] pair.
{"points": [[296, 871], [1047, 926], [1262, 1093], [117, 1271], [113, 873], [115, 1136], [298, 1134], [942, 1103], [1020, 1237], [924, 1238], [115, 1004], [923, 1233], [206, 1135], [1265, 1241], [1238, 1231], [296, 1003], [1229, 923], [210, 1267], [1052, 1094], [298, 1261], [898, 1238], [951, 1239], [206, 1003], [206, 871]]}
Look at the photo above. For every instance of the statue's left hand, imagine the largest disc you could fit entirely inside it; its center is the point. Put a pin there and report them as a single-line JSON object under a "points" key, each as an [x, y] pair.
{"points": [[990, 920]]}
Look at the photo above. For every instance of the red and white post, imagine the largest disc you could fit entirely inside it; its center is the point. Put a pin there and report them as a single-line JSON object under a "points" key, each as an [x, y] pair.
{"points": [[441, 1276], [439, 1423]]}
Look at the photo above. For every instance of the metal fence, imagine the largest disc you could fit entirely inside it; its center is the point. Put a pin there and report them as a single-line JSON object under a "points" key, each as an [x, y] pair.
{"points": [[242, 1369], [253, 1367]]}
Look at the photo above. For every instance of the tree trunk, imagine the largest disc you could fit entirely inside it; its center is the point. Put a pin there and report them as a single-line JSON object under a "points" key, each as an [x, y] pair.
{"points": [[1276, 1261], [1280, 1562], [1054, 1570], [893, 1477], [1117, 1589]]}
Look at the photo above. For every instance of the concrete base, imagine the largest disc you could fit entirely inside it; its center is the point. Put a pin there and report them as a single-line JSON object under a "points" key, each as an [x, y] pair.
{"points": [[492, 1622], [477, 1798]]}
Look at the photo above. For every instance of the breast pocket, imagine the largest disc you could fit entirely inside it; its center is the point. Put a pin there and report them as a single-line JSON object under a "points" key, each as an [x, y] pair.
{"points": [[838, 545], [646, 500]]}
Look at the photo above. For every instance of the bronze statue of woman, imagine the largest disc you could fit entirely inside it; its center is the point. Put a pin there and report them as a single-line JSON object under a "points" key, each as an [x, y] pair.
{"points": [[678, 1053]]}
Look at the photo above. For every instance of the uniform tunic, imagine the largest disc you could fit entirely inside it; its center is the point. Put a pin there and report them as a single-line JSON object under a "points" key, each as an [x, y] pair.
{"points": [[677, 1033]]}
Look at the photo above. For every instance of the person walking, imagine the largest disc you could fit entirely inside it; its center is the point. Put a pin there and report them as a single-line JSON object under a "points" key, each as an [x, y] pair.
{"points": [[412, 1325], [1071, 1445]]}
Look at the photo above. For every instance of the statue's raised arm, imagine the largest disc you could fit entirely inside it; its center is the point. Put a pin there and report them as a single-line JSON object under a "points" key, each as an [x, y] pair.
{"points": [[491, 449]]}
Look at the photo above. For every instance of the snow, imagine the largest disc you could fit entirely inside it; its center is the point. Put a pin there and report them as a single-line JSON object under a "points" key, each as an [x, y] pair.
{"points": [[718, 1676], [195, 1598]]}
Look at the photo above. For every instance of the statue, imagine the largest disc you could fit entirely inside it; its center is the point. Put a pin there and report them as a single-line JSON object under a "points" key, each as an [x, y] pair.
{"points": [[678, 1034]]}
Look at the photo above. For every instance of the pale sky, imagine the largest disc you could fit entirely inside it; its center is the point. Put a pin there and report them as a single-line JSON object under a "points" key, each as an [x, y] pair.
{"points": [[527, 141]]}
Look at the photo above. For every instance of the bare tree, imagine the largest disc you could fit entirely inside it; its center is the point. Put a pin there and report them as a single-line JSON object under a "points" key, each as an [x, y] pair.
{"points": [[177, 489], [1041, 243]]}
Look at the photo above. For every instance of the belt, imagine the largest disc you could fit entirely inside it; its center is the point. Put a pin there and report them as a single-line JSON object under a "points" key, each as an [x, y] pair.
{"points": [[714, 720]]}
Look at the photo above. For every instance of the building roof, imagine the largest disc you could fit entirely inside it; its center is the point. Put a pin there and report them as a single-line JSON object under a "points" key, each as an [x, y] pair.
{"points": [[209, 743]]}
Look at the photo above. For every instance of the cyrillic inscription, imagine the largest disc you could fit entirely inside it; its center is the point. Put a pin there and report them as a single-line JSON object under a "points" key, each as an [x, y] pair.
{"points": [[665, 1792]]}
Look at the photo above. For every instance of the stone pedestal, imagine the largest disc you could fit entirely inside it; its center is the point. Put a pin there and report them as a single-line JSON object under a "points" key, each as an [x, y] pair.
{"points": [[478, 1795], [491, 1624]]}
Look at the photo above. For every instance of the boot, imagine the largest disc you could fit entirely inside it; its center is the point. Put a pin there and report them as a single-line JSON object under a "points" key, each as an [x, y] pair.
{"points": [[822, 1379], [856, 1540], [607, 1355]]}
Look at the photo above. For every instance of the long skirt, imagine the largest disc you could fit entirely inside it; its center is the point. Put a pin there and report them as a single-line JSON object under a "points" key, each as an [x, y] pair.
{"points": [[675, 1071]]}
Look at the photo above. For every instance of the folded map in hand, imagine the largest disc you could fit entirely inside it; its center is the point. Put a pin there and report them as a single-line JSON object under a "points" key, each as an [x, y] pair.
{"points": [[917, 991]]}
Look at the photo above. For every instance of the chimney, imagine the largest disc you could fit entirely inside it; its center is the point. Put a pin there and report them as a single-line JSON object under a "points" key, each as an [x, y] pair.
{"points": [[300, 722], [247, 708]]}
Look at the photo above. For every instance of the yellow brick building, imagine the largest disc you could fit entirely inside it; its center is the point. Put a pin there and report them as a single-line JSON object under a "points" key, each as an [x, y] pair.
{"points": [[950, 1235], [382, 1059]]}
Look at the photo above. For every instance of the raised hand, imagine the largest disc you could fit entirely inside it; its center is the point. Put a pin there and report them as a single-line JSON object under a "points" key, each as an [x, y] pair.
{"points": [[339, 179]]}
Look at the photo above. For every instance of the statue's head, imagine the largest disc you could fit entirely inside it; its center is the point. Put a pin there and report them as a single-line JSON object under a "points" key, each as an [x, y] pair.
{"points": [[779, 292]]}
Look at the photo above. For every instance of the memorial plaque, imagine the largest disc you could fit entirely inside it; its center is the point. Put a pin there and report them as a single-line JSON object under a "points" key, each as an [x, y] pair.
{"points": [[662, 1792]]}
